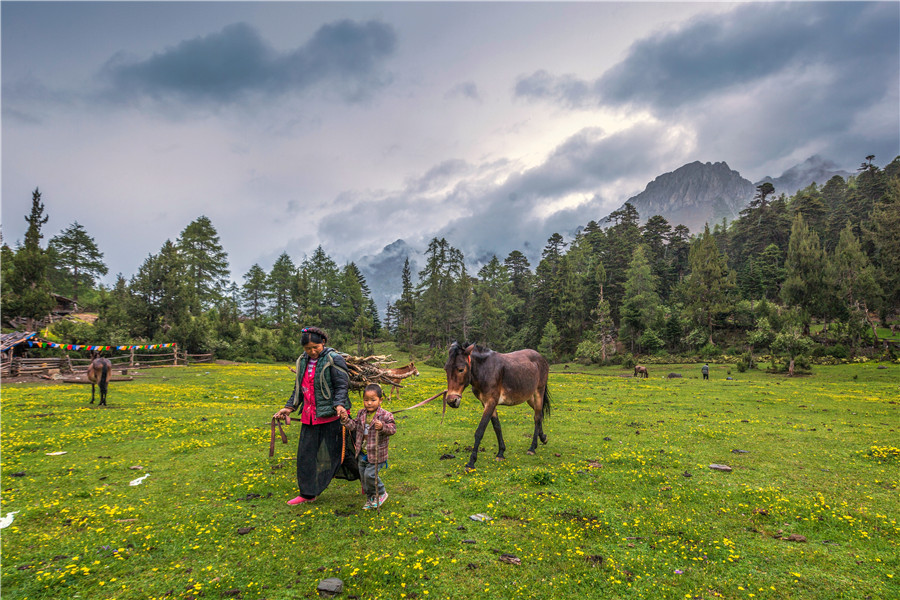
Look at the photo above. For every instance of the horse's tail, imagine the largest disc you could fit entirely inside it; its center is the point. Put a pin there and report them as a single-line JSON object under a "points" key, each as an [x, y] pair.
{"points": [[545, 405], [104, 381]]}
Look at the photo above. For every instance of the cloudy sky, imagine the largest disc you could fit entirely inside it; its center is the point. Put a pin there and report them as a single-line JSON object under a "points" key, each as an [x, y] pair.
{"points": [[350, 125]]}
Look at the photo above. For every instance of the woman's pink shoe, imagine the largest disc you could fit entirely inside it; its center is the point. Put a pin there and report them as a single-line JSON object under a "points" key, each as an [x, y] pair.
{"points": [[299, 500]]}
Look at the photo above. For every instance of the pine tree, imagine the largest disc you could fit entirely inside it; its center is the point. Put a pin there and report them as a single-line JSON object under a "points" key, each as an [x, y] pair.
{"points": [[546, 278], [854, 277], [255, 292], [26, 292], [640, 305], [205, 263], [161, 299], [75, 253], [805, 283], [492, 304], [520, 278], [320, 277], [405, 308], [281, 284], [886, 244], [707, 289]]}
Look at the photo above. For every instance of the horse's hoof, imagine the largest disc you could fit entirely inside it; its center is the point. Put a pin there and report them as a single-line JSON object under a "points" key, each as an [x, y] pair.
{"points": [[544, 440], [470, 468], [531, 453], [500, 458]]}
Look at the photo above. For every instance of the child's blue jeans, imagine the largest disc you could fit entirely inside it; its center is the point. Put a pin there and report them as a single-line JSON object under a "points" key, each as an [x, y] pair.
{"points": [[368, 474]]}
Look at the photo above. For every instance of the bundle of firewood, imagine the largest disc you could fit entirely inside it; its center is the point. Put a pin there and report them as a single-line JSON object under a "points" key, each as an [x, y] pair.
{"points": [[364, 370]]}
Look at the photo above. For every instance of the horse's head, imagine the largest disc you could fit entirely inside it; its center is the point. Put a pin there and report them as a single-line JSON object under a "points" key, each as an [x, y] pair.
{"points": [[459, 372]]}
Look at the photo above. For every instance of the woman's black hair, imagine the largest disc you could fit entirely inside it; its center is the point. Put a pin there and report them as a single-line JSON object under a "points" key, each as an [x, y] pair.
{"points": [[374, 387], [312, 335]]}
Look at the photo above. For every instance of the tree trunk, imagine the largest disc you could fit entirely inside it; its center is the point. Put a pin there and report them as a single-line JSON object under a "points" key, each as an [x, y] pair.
{"points": [[791, 368]]}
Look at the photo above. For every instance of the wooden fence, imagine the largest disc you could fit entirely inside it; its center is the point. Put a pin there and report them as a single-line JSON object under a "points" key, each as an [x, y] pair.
{"points": [[46, 366]]}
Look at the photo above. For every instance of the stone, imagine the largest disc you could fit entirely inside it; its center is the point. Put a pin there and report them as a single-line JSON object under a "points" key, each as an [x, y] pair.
{"points": [[736, 451], [795, 537], [511, 559], [330, 587], [716, 467], [480, 517], [673, 375]]}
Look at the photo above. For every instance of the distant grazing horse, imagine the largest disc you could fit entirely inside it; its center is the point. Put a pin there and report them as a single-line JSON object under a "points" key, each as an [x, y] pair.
{"points": [[640, 371], [98, 373], [504, 379]]}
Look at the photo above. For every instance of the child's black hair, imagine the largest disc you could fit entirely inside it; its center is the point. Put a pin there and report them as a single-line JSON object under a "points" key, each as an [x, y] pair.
{"points": [[374, 387]]}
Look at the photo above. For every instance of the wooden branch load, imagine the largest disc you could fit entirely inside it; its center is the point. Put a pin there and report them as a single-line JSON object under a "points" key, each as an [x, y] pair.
{"points": [[372, 369]]}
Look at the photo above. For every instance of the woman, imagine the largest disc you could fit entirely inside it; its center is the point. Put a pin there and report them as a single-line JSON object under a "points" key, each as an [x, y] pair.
{"points": [[320, 393]]}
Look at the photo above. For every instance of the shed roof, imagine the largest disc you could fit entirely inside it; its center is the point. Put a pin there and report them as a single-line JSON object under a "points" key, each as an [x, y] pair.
{"points": [[9, 340]]}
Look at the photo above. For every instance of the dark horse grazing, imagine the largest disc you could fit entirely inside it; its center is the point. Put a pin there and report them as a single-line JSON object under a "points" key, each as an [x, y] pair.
{"points": [[640, 371], [504, 379], [98, 373]]}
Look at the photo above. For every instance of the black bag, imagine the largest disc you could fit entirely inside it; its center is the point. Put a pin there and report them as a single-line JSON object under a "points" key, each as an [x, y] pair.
{"points": [[349, 468]]}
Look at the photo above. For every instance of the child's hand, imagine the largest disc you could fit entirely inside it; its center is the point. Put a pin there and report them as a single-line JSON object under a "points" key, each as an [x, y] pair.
{"points": [[345, 419], [377, 424]]}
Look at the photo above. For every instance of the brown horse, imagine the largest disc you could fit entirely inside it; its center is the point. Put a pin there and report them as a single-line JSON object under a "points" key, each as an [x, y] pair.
{"points": [[98, 373], [499, 379], [640, 371]]}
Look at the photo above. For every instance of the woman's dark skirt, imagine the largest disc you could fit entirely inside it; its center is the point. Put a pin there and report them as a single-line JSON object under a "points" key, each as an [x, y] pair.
{"points": [[319, 457]]}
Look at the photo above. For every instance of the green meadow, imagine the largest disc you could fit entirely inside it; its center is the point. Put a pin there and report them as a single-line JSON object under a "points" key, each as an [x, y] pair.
{"points": [[621, 502]]}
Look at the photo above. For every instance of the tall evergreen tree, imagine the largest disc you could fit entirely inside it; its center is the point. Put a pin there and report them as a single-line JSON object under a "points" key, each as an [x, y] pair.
{"points": [[75, 254], [520, 278], [320, 277], [281, 284], [205, 263], [546, 278], [708, 288], [436, 293], [27, 291], [160, 298], [886, 242], [491, 305], [405, 308], [854, 278], [805, 284], [640, 305], [255, 292]]}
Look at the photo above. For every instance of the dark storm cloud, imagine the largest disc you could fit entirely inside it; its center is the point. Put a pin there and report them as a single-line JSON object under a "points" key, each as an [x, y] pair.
{"points": [[224, 67], [714, 54]]}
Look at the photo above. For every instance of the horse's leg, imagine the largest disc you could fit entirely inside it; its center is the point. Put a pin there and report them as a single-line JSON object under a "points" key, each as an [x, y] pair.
{"points": [[92, 392], [479, 433], [501, 447], [539, 420]]}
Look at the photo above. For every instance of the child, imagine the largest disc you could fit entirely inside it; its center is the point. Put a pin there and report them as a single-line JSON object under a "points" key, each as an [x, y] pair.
{"points": [[373, 426]]}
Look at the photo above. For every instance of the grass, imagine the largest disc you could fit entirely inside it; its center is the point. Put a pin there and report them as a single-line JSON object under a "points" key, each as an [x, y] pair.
{"points": [[587, 516]]}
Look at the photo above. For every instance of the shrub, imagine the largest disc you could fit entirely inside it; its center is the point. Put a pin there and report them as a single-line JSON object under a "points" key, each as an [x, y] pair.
{"points": [[838, 351], [589, 352]]}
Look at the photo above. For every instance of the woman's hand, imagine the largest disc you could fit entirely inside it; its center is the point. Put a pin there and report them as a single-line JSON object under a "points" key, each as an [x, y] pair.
{"points": [[282, 414], [341, 411]]}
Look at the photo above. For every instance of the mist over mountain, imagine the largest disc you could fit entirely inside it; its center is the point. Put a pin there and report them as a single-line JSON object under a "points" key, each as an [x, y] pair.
{"points": [[692, 195], [384, 271], [813, 169]]}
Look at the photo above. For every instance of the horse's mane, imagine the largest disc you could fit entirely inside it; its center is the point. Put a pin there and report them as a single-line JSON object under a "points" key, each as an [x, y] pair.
{"points": [[479, 351]]}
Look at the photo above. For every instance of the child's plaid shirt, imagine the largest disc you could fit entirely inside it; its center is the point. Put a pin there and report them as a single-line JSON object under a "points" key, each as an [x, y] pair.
{"points": [[377, 453]]}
